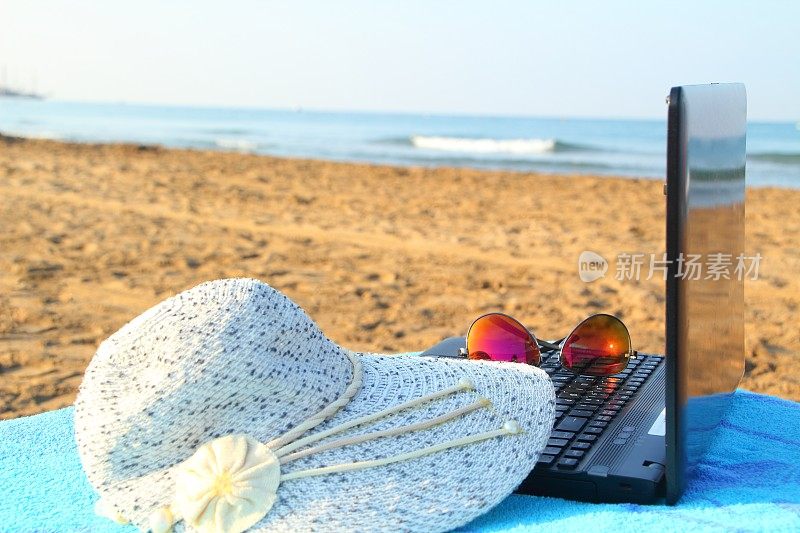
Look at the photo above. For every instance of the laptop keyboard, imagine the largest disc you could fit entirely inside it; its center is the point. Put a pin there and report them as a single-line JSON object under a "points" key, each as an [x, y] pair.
{"points": [[586, 405]]}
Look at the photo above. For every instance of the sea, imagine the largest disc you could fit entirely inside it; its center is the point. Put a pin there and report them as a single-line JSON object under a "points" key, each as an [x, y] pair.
{"points": [[634, 148]]}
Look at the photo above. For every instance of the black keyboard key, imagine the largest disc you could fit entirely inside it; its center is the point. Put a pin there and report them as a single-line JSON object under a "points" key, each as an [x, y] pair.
{"points": [[598, 424], [567, 463], [569, 396], [575, 454], [618, 403], [558, 443], [580, 384], [581, 446], [551, 450], [598, 395], [562, 435], [571, 389], [587, 407], [603, 418], [592, 401], [546, 460], [577, 412], [587, 438], [624, 397], [564, 401], [571, 423], [593, 431], [607, 412]]}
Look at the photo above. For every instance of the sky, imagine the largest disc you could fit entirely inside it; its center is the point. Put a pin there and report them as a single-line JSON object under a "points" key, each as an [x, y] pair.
{"points": [[567, 59]]}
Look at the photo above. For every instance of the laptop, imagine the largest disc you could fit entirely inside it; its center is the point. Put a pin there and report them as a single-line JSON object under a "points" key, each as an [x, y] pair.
{"points": [[637, 436]]}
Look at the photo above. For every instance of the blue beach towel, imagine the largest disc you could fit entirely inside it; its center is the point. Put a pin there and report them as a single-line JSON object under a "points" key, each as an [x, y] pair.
{"points": [[750, 481]]}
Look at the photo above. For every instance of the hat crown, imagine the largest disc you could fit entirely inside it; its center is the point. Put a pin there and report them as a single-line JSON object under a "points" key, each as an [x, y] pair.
{"points": [[224, 355]]}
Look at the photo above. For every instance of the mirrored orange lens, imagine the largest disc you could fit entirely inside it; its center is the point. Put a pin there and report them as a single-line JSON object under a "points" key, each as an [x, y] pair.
{"points": [[598, 346], [498, 337]]}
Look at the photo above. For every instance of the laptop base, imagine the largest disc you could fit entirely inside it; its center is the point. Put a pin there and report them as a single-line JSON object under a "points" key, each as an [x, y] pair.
{"points": [[607, 444]]}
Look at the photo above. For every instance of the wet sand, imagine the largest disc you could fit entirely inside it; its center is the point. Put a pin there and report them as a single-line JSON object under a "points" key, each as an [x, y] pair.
{"points": [[385, 259]]}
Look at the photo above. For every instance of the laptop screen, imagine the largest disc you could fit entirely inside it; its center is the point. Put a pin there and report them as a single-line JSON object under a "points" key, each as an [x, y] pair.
{"points": [[708, 265]]}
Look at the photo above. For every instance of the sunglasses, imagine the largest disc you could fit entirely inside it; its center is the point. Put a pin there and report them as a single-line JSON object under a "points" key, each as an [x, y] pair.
{"points": [[598, 346]]}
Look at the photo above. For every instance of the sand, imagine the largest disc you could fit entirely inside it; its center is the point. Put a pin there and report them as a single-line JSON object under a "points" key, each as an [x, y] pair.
{"points": [[385, 259]]}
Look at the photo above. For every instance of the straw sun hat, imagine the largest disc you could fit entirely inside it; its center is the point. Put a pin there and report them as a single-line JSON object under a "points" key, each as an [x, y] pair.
{"points": [[225, 408]]}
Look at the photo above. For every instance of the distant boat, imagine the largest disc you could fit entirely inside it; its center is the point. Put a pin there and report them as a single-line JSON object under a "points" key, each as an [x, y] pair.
{"points": [[6, 92]]}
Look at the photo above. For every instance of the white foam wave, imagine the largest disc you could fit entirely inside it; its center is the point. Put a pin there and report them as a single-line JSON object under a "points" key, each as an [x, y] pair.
{"points": [[485, 146], [241, 145]]}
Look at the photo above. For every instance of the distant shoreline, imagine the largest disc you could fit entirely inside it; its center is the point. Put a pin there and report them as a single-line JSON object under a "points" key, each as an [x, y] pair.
{"points": [[142, 147], [6, 92], [227, 150], [592, 147]]}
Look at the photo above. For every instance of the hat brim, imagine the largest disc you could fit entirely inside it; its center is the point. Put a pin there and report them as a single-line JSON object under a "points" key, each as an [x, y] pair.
{"points": [[437, 492]]}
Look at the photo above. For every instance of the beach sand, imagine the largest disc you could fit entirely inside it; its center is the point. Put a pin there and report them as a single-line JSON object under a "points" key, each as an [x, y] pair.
{"points": [[385, 259]]}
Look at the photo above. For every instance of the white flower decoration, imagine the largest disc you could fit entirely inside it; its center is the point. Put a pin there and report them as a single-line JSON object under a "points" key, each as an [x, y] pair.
{"points": [[228, 485]]}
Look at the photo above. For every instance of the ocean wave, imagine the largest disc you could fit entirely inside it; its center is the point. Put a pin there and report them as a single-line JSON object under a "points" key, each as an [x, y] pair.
{"points": [[240, 145], [227, 131], [491, 146], [785, 158]]}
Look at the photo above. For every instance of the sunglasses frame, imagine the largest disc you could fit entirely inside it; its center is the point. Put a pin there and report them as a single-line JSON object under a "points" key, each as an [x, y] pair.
{"points": [[558, 345]]}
